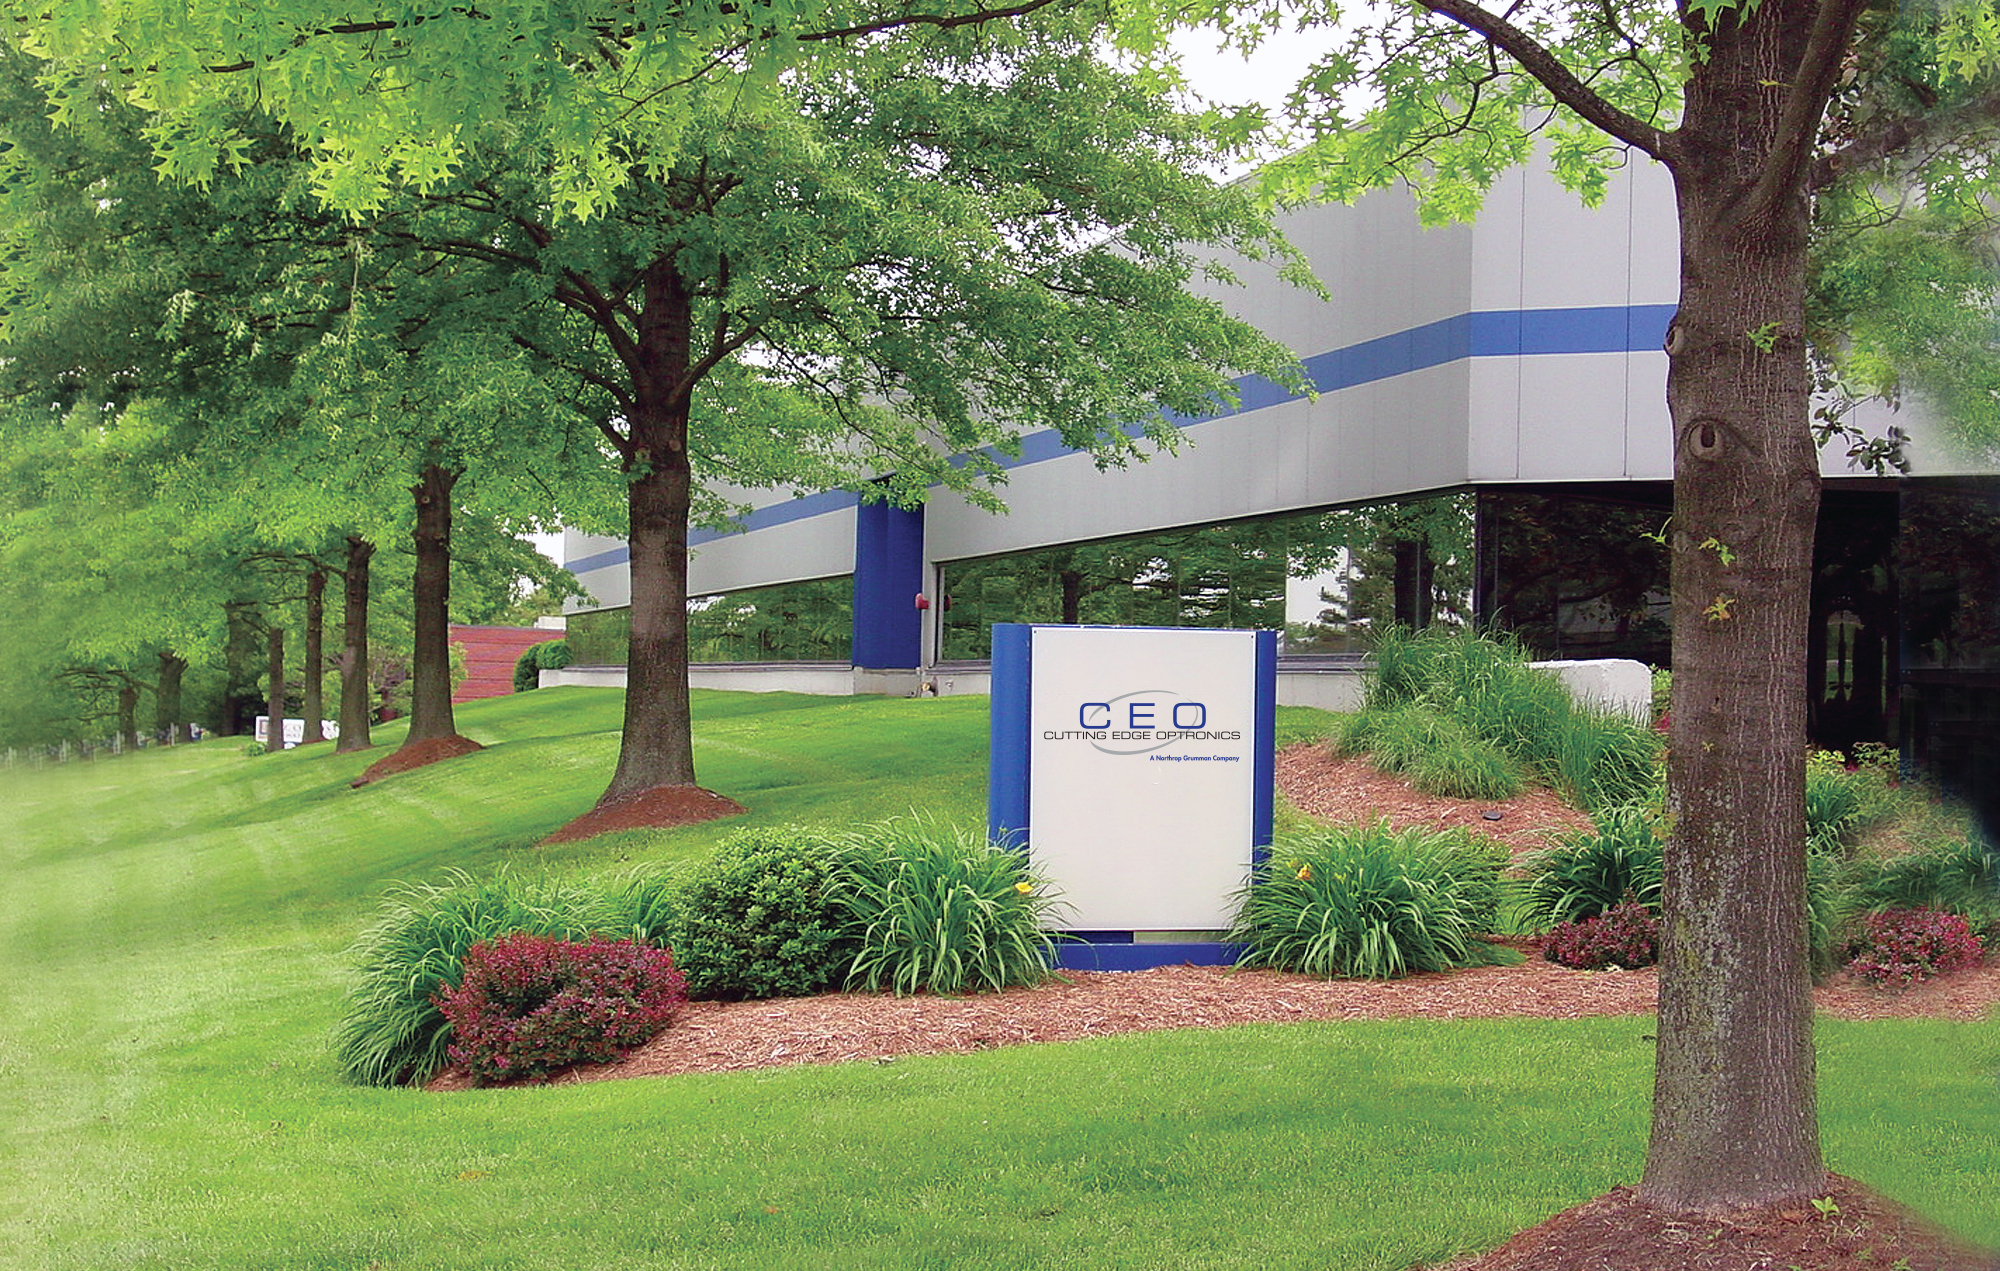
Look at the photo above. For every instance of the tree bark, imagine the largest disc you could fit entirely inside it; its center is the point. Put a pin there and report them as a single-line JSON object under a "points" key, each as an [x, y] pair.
{"points": [[1414, 573], [1734, 1115], [239, 680], [274, 689], [1072, 596], [430, 662], [128, 713], [356, 693], [657, 746], [311, 706], [167, 721]]}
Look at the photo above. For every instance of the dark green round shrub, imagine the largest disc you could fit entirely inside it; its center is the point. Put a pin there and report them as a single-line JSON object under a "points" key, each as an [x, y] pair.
{"points": [[757, 920], [549, 655]]}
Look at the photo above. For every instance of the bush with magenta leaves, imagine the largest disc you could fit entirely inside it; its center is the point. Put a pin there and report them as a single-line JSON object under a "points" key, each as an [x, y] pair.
{"points": [[529, 1005], [1902, 946], [1626, 935]]}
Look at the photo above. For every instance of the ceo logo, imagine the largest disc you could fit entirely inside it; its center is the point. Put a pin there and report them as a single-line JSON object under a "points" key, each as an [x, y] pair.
{"points": [[1142, 711], [1144, 720]]}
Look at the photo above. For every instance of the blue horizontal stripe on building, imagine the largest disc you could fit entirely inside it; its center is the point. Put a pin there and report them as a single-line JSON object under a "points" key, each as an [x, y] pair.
{"points": [[1488, 333]]}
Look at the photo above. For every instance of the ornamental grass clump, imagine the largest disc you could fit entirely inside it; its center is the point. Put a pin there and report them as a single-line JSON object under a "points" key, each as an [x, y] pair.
{"points": [[1590, 871], [1368, 902], [937, 908], [393, 1031], [532, 1005], [1956, 875], [1484, 716]]}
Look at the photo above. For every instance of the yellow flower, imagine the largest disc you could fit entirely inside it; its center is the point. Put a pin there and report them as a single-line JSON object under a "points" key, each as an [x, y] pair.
{"points": [[1305, 873], [1024, 888]]}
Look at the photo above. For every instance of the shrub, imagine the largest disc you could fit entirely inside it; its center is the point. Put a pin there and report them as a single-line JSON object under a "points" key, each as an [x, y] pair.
{"points": [[1828, 906], [1959, 875], [549, 655], [393, 1030], [530, 1005], [1371, 902], [1625, 935], [937, 907], [1663, 694], [1833, 802], [758, 918], [1437, 753], [1592, 871], [1429, 690], [1902, 946]]}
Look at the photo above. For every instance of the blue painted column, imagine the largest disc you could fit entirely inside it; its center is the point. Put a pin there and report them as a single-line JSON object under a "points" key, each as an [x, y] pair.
{"points": [[1265, 756], [888, 577], [1007, 736]]}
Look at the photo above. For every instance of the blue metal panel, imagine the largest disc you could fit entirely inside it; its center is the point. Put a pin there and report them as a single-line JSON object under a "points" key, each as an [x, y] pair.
{"points": [[1007, 735], [888, 575], [1263, 752], [1142, 957]]}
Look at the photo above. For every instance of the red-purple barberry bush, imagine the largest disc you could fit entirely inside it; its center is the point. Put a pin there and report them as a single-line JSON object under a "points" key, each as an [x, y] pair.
{"points": [[530, 1005], [1902, 946], [1625, 935]]}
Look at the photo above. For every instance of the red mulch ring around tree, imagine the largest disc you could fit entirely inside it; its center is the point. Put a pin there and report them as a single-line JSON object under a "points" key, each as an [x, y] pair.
{"points": [[661, 808], [417, 754], [1859, 1231]]}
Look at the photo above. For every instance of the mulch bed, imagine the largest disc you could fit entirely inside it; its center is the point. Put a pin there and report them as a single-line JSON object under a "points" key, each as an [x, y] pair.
{"points": [[662, 807], [417, 754], [1862, 1231]]}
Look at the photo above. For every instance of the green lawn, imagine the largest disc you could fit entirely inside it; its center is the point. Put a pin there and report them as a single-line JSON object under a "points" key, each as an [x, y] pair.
{"points": [[172, 939]]}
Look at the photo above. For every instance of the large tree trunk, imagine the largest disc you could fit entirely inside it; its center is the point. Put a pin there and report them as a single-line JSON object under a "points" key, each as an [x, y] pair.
{"points": [[1734, 1116], [657, 746], [311, 706], [167, 721], [274, 688], [430, 663], [356, 693]]}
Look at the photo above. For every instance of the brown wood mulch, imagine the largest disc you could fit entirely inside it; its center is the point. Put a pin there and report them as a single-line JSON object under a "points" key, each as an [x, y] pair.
{"points": [[1859, 1230], [416, 754], [663, 807], [1318, 784]]}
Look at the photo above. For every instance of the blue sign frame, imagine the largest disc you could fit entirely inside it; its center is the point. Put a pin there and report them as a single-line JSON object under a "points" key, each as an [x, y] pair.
{"points": [[1009, 815]]}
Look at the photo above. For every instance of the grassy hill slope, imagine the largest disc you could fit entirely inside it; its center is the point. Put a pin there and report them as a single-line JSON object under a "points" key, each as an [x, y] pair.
{"points": [[173, 939]]}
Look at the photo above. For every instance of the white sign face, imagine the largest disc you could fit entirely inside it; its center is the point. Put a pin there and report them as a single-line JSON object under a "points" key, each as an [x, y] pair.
{"points": [[1141, 774]]}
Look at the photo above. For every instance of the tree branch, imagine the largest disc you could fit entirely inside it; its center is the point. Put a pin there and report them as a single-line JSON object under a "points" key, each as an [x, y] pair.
{"points": [[1805, 102], [942, 23], [1891, 137], [1545, 67]]}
